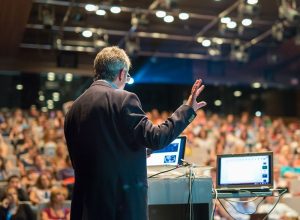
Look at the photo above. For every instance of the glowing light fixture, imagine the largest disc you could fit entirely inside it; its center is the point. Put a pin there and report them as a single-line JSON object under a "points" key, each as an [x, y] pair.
{"points": [[225, 20], [51, 76], [237, 93], [218, 102], [246, 22], [87, 33], [169, 18], [115, 9], [101, 12], [252, 2], [19, 87], [160, 14], [231, 25], [68, 77], [258, 113], [184, 16], [256, 85], [206, 43], [91, 7]]}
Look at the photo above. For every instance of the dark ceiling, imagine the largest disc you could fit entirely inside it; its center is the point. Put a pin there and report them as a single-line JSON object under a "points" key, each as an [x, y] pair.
{"points": [[46, 35]]}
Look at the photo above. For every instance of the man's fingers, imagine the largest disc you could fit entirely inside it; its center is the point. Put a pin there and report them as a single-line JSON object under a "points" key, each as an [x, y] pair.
{"points": [[195, 87], [201, 104], [199, 91]]}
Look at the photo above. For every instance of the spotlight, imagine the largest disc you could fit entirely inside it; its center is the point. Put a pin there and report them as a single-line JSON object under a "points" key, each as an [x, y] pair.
{"points": [[218, 102], [256, 85], [51, 76], [169, 19], [19, 87], [90, 7], [87, 33], [206, 43], [252, 2], [225, 20], [101, 12], [183, 16], [160, 14], [231, 25], [246, 22], [237, 93], [68, 77], [115, 9]]}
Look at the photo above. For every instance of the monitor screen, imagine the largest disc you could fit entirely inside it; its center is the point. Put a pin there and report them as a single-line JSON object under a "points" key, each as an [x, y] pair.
{"points": [[169, 155], [245, 170]]}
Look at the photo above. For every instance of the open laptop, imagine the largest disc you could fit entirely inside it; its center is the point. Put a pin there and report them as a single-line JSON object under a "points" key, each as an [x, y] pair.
{"points": [[171, 155], [249, 172]]}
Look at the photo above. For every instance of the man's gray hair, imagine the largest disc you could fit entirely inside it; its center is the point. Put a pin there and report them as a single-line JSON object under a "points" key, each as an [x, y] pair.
{"points": [[108, 63]]}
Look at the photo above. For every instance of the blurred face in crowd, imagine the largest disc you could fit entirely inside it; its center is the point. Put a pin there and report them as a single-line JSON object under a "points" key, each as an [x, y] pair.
{"points": [[12, 195], [45, 181], [14, 182]]}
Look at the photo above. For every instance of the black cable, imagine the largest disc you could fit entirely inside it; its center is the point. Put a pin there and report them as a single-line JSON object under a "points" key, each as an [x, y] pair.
{"points": [[165, 171], [279, 197]]}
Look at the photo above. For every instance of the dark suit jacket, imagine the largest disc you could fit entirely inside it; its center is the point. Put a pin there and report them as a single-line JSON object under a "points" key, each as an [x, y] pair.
{"points": [[106, 132]]}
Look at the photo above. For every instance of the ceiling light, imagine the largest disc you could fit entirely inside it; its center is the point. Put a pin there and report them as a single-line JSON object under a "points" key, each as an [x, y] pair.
{"points": [[101, 12], [237, 93], [256, 85], [183, 16], [246, 22], [225, 20], [115, 9], [199, 40], [42, 98], [87, 33], [51, 76], [218, 40], [160, 14], [68, 77], [206, 43], [231, 25], [44, 109], [169, 18], [19, 87], [49, 102], [90, 7], [252, 2], [218, 102]]}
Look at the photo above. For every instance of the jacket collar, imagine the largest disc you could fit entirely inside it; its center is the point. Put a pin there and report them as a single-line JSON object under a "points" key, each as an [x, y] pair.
{"points": [[104, 83]]}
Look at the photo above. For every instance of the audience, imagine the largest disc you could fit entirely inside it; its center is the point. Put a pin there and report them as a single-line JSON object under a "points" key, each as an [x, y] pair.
{"points": [[37, 141], [11, 208], [56, 208]]}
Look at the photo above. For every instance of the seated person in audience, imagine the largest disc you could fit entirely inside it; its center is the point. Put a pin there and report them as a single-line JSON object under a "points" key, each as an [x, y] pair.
{"points": [[15, 182], [67, 176], [3, 171], [3, 146], [280, 212], [55, 208], [40, 193], [59, 161], [11, 209]]}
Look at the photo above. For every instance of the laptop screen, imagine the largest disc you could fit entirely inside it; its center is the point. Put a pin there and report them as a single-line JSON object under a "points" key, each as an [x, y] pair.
{"points": [[249, 170], [169, 155]]}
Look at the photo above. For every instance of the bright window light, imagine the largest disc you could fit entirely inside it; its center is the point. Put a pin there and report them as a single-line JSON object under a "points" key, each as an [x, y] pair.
{"points": [[246, 22], [184, 16], [90, 7], [252, 2], [87, 33], [169, 18], [115, 9], [101, 12], [225, 20], [231, 25], [206, 43], [160, 14]]}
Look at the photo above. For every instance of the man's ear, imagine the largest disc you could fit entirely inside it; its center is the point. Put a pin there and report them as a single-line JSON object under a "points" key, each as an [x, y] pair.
{"points": [[121, 74]]}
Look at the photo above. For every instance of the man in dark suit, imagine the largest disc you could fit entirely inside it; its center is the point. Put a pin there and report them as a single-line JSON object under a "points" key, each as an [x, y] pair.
{"points": [[107, 133]]}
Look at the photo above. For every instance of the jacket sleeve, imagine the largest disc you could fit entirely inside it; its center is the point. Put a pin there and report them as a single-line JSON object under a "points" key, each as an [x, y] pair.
{"points": [[147, 134]]}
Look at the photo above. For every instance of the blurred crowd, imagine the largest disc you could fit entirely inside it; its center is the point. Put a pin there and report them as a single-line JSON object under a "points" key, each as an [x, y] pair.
{"points": [[35, 168]]}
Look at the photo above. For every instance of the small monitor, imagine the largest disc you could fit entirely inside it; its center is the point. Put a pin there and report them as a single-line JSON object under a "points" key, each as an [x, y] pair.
{"points": [[169, 155], [249, 170]]}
